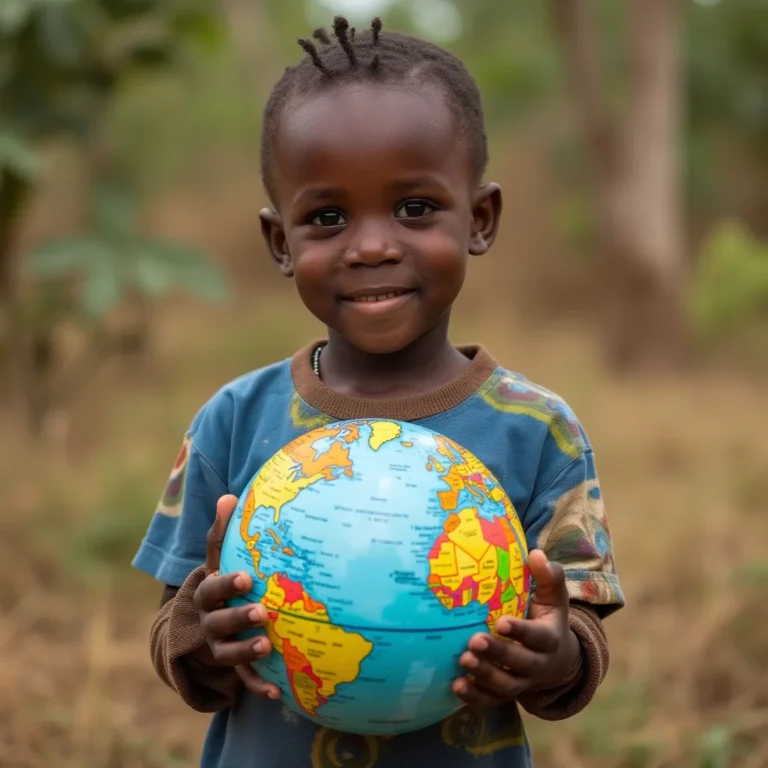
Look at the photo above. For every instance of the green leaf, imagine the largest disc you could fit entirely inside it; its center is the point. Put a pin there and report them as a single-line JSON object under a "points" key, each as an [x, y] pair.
{"points": [[18, 156], [199, 25], [65, 257], [151, 55], [113, 212], [160, 266], [103, 289], [60, 36], [13, 15], [715, 748], [127, 9]]}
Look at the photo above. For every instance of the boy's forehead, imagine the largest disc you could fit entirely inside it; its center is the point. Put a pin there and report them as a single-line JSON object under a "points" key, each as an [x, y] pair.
{"points": [[369, 126]]}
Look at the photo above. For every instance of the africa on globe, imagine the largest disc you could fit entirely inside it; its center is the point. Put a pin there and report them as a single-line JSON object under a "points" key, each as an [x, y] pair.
{"points": [[378, 548]]}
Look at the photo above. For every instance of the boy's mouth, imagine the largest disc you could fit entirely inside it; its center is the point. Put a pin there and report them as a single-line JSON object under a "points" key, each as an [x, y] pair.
{"points": [[375, 295], [378, 300]]}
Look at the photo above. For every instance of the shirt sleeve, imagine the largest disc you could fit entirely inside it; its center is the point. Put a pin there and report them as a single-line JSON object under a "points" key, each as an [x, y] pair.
{"points": [[567, 520], [174, 544]]}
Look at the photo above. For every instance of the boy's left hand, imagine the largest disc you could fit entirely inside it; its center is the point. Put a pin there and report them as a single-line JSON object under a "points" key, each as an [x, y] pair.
{"points": [[543, 650]]}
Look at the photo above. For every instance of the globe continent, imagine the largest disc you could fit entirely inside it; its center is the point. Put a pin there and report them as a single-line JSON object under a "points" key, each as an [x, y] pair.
{"points": [[378, 548]]}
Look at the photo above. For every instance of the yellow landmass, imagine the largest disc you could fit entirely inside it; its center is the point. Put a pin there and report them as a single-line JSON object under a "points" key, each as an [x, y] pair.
{"points": [[286, 474], [468, 535], [334, 654], [517, 568], [515, 523], [485, 589], [445, 563], [488, 564], [306, 690], [468, 566], [383, 432]]}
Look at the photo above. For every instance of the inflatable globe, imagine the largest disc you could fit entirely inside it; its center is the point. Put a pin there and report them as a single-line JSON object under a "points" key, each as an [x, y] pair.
{"points": [[378, 548]]}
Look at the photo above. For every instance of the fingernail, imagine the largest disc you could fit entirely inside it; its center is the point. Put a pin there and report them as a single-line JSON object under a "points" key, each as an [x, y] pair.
{"points": [[470, 661], [239, 581], [481, 644], [258, 646], [460, 687], [274, 695]]}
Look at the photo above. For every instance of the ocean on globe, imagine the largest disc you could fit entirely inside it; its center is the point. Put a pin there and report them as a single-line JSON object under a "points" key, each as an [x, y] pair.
{"points": [[378, 548]]}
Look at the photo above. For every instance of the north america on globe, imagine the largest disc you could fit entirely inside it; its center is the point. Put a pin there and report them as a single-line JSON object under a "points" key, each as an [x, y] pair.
{"points": [[378, 548]]}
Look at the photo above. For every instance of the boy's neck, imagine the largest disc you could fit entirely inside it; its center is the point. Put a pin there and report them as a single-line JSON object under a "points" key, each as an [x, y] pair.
{"points": [[425, 365]]}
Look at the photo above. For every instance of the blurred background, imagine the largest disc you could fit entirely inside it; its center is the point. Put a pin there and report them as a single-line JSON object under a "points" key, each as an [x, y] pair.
{"points": [[631, 276]]}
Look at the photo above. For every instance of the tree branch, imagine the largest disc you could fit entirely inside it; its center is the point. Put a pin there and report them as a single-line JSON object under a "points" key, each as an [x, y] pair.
{"points": [[575, 33]]}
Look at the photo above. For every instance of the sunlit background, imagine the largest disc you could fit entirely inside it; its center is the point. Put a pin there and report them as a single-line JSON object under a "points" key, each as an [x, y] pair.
{"points": [[630, 276]]}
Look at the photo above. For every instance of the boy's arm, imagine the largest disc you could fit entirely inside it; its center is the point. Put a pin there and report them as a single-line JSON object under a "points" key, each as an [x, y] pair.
{"points": [[567, 520], [174, 552], [580, 685], [181, 656]]}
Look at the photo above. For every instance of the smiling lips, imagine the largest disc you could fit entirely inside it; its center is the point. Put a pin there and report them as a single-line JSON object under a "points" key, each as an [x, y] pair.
{"points": [[378, 299]]}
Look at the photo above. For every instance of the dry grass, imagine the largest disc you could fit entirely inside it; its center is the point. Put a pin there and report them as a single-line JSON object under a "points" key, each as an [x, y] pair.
{"points": [[683, 464]]}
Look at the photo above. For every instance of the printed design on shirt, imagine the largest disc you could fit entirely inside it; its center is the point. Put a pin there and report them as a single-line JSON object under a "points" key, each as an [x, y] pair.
{"points": [[470, 731], [332, 749], [304, 416], [578, 536], [513, 394], [170, 503]]}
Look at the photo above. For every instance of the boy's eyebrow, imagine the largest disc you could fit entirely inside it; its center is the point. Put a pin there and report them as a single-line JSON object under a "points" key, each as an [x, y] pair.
{"points": [[417, 182], [320, 195], [313, 195]]}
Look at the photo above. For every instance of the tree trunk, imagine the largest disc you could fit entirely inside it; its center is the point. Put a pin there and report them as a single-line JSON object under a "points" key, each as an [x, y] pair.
{"points": [[15, 347], [636, 179]]}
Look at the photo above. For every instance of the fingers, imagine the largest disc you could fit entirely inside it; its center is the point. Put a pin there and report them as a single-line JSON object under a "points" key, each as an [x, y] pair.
{"points": [[550, 580], [233, 653], [534, 635], [489, 655], [256, 684], [214, 591], [472, 694], [225, 507], [227, 622]]}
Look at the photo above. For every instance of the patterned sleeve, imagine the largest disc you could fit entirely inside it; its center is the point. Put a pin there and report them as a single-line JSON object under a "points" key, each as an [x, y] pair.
{"points": [[567, 520], [174, 544]]}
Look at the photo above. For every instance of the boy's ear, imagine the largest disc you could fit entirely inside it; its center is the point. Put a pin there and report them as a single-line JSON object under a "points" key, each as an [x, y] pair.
{"points": [[486, 212], [274, 234]]}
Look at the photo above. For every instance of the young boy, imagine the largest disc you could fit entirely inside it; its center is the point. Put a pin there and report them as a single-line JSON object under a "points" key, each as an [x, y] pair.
{"points": [[373, 153]]}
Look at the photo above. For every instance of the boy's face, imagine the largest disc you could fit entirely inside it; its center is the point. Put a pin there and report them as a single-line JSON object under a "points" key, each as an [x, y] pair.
{"points": [[377, 210]]}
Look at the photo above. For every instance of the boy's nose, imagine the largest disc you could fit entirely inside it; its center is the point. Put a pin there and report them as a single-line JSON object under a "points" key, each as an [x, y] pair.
{"points": [[373, 250]]}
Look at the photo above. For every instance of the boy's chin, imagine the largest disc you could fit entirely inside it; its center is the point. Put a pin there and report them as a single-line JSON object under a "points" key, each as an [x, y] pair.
{"points": [[384, 343]]}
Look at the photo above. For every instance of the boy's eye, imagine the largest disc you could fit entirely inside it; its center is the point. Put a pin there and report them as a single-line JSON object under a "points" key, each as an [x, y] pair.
{"points": [[414, 209], [328, 218]]}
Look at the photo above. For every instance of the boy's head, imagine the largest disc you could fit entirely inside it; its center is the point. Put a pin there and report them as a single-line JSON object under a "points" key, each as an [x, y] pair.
{"points": [[373, 151]]}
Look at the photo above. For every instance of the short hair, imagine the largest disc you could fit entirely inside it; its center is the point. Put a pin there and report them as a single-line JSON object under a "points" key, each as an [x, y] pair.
{"points": [[371, 56]]}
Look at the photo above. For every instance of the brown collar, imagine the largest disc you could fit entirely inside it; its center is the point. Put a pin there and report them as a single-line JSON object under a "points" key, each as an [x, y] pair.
{"points": [[410, 408]]}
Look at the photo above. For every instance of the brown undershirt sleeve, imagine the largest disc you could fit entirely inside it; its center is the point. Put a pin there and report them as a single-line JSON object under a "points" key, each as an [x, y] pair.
{"points": [[174, 635], [581, 684]]}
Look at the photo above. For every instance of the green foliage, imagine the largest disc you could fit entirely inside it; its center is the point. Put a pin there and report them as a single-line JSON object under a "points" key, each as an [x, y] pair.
{"points": [[730, 290], [18, 157], [726, 65], [115, 259], [62, 64], [63, 59]]}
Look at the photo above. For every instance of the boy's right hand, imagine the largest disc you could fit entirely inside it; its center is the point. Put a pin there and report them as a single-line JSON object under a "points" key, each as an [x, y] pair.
{"points": [[219, 623]]}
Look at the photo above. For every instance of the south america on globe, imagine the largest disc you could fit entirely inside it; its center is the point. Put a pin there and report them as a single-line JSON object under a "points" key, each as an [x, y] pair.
{"points": [[378, 548]]}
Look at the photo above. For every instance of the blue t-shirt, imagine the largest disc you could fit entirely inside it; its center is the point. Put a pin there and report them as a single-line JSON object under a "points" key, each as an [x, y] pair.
{"points": [[529, 439]]}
